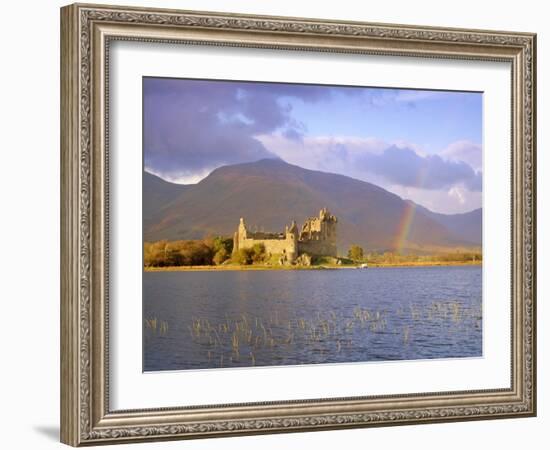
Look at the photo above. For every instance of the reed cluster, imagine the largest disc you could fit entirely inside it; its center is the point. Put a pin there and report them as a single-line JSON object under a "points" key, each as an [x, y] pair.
{"points": [[156, 326], [249, 340]]}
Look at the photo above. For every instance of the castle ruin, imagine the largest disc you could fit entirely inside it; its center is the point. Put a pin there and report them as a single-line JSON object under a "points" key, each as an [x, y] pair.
{"points": [[316, 238]]}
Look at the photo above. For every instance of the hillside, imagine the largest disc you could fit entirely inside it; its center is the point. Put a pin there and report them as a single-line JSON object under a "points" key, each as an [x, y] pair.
{"points": [[467, 226], [157, 194], [270, 193]]}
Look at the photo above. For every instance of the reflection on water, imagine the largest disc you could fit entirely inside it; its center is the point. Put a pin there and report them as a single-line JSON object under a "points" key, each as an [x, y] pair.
{"points": [[198, 320]]}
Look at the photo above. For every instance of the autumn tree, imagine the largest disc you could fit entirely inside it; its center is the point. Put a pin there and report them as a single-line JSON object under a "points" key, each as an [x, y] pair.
{"points": [[355, 252]]}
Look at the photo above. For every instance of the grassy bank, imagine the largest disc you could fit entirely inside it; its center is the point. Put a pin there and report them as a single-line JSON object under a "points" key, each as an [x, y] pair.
{"points": [[235, 267], [314, 267], [427, 264]]}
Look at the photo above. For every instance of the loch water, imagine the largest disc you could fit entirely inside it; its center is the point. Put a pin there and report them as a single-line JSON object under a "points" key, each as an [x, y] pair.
{"points": [[212, 319]]}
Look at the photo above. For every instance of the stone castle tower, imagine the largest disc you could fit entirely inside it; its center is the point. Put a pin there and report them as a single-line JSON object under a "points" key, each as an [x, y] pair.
{"points": [[318, 235], [316, 238]]}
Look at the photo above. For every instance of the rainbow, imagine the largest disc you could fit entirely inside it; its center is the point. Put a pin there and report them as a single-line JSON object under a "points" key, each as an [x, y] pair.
{"points": [[404, 226], [405, 222]]}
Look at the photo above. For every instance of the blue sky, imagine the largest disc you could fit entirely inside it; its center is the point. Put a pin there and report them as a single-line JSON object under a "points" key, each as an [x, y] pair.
{"points": [[429, 119], [421, 145]]}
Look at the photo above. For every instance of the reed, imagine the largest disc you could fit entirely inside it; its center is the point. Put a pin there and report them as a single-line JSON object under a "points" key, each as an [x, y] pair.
{"points": [[331, 335], [406, 334], [156, 326]]}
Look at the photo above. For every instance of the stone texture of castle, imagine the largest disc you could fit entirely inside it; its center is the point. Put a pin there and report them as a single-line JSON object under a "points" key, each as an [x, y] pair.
{"points": [[316, 238]]}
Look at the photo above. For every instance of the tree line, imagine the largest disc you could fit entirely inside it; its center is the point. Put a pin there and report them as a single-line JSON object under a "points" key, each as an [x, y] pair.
{"points": [[219, 250], [199, 252]]}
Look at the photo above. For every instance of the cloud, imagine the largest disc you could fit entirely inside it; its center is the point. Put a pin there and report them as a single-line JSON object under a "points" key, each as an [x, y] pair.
{"points": [[368, 159], [403, 166], [193, 126], [458, 194], [326, 153], [439, 183], [455, 200], [465, 151]]}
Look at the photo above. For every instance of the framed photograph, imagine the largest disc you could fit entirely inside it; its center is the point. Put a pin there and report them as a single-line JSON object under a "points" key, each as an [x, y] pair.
{"points": [[279, 224]]}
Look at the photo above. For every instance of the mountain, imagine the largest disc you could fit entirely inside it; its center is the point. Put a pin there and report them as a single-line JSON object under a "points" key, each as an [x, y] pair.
{"points": [[467, 226], [157, 194], [270, 193]]}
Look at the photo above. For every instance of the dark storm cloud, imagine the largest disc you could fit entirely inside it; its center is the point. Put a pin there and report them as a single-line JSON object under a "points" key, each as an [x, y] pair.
{"points": [[405, 167], [195, 125]]}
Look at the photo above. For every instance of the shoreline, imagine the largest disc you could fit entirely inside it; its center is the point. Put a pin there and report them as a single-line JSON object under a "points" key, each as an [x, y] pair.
{"points": [[319, 267]]}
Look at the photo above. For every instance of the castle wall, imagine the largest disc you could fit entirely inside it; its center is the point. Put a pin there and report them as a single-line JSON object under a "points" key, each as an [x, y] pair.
{"points": [[318, 235], [273, 246], [318, 248]]}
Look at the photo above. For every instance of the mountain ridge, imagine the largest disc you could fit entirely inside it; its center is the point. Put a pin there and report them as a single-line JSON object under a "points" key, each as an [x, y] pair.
{"points": [[464, 224], [270, 193]]}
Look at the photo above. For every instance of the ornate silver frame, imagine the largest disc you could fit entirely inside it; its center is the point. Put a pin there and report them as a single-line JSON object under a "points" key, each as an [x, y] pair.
{"points": [[86, 31]]}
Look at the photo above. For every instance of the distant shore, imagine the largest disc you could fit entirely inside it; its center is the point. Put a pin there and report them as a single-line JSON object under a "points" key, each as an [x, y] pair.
{"points": [[314, 267]]}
